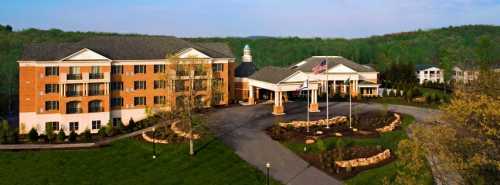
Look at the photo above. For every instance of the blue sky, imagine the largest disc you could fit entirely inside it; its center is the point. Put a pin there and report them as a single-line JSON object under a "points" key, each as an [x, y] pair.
{"points": [[304, 18]]}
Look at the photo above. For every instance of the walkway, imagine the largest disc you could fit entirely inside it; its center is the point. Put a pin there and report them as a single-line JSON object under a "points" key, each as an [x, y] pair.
{"points": [[241, 128], [100, 143]]}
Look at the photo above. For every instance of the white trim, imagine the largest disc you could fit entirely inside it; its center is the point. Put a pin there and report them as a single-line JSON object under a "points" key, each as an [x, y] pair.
{"points": [[85, 50]]}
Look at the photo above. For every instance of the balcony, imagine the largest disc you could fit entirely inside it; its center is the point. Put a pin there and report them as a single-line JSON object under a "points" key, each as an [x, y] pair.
{"points": [[74, 76], [74, 93], [94, 76], [96, 92], [70, 110], [96, 109], [200, 73]]}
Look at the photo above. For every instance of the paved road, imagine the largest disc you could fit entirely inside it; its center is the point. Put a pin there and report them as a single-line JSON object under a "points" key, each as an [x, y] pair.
{"points": [[241, 128]]}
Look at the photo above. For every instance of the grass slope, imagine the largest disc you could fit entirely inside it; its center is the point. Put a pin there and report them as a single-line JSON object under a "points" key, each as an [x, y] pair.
{"points": [[129, 162]]}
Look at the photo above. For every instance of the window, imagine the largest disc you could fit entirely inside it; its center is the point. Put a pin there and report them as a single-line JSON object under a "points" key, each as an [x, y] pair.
{"points": [[116, 86], [116, 70], [96, 124], [140, 100], [95, 106], [73, 90], [218, 67], [51, 71], [200, 85], [51, 105], [74, 70], [51, 88], [74, 73], [199, 70], [117, 102], [115, 121], [95, 73], [53, 124], [159, 84], [180, 70], [179, 85], [95, 89], [73, 107], [159, 68], [217, 83], [159, 100], [139, 69], [73, 126], [139, 85]]}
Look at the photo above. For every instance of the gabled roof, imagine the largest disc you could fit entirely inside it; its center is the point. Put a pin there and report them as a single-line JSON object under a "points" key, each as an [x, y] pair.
{"points": [[308, 64], [123, 48], [272, 74], [420, 67]]}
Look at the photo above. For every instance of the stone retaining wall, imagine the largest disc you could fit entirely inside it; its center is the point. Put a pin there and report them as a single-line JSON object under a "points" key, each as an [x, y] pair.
{"points": [[181, 133], [386, 154], [321, 122], [149, 139], [391, 126]]}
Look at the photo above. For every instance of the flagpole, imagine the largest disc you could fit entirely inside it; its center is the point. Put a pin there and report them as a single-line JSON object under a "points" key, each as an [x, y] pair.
{"points": [[327, 95], [307, 126], [350, 103]]}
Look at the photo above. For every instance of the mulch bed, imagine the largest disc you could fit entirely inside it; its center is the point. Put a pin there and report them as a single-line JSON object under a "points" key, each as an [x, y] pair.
{"points": [[366, 124], [348, 154]]}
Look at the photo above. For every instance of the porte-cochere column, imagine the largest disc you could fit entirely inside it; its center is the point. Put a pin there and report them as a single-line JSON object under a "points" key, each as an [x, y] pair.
{"points": [[278, 103]]}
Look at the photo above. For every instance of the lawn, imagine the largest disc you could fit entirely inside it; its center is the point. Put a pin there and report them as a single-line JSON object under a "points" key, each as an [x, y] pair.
{"points": [[373, 176], [130, 161]]}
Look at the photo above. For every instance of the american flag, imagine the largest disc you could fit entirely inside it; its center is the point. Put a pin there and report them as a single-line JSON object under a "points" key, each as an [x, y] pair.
{"points": [[320, 67]]}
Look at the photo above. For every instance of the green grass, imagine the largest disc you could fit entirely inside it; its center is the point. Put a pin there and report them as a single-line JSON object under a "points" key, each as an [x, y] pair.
{"points": [[402, 101], [373, 176], [130, 161]]}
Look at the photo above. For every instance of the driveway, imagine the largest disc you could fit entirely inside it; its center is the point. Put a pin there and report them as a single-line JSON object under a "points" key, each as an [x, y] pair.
{"points": [[241, 128]]}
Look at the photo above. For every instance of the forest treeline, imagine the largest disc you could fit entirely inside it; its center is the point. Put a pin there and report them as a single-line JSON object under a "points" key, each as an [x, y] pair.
{"points": [[444, 47]]}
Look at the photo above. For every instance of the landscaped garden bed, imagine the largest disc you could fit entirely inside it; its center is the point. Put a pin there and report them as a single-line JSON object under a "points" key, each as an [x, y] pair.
{"points": [[352, 153], [367, 125], [172, 132]]}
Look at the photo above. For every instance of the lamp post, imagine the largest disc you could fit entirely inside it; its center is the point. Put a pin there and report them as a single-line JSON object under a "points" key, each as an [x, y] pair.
{"points": [[268, 165], [154, 143]]}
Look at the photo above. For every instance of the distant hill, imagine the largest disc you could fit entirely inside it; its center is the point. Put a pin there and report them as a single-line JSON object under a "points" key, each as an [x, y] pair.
{"points": [[418, 47]]}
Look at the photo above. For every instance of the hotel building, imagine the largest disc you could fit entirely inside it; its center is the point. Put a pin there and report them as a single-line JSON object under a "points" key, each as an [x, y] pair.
{"points": [[86, 84]]}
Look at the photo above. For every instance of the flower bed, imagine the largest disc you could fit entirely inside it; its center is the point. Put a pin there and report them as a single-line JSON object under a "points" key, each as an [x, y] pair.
{"points": [[322, 122]]}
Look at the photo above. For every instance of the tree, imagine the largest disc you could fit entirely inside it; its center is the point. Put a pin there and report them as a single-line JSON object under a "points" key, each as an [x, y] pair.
{"points": [[411, 164], [469, 141]]}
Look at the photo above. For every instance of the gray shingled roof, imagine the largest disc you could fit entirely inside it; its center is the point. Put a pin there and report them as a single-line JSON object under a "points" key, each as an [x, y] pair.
{"points": [[419, 67], [123, 48], [245, 69], [272, 74], [332, 62]]}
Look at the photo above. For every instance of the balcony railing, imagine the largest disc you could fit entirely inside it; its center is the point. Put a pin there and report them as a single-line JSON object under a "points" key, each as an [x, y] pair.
{"points": [[181, 73], [96, 76], [200, 73], [73, 110], [74, 76], [74, 93], [96, 92], [96, 109]]}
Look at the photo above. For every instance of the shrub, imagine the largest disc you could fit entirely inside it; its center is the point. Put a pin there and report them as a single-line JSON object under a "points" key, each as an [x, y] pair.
{"points": [[4, 132], [49, 132], [392, 93], [320, 145], [278, 133], [87, 136], [132, 126], [61, 136], [33, 135], [102, 132], [72, 136]]}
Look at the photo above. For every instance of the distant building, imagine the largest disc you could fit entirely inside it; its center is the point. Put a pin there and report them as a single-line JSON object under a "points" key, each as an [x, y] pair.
{"points": [[344, 77], [429, 73], [83, 85]]}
